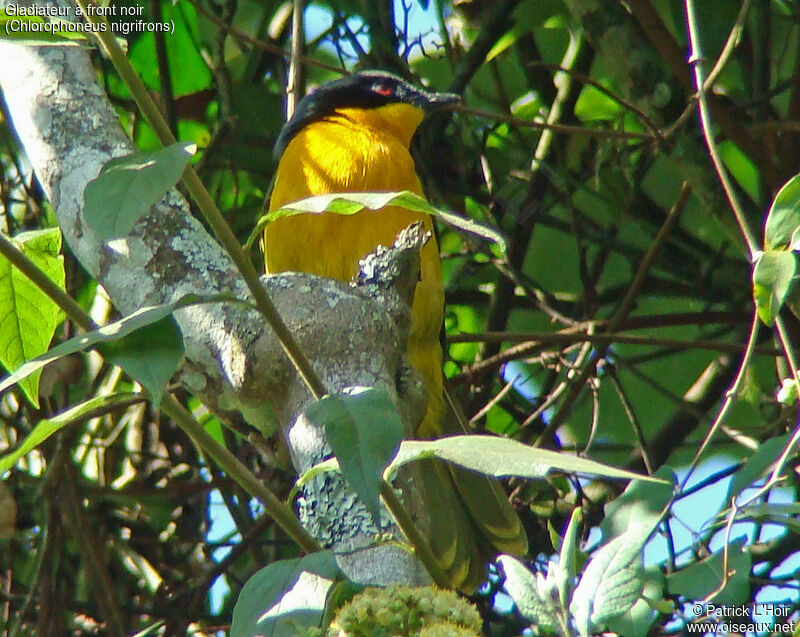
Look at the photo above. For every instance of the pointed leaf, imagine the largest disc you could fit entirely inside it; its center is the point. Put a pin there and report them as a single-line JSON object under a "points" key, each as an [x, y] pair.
{"points": [[638, 620], [29, 318], [150, 354], [611, 583], [349, 203], [567, 557], [500, 457], [128, 187], [530, 593], [285, 595], [364, 431]]}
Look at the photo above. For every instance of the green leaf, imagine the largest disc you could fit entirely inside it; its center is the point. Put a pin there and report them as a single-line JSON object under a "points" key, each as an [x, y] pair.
{"points": [[285, 595], [532, 594], [593, 105], [500, 457], [150, 354], [48, 426], [637, 621], [567, 557], [772, 278], [700, 579], [783, 218], [37, 31], [364, 431], [129, 186], [611, 583], [744, 171], [112, 332], [349, 203], [29, 318], [640, 506], [755, 466]]}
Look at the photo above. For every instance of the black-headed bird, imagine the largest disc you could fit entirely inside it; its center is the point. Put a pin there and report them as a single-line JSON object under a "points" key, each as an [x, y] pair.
{"points": [[353, 135]]}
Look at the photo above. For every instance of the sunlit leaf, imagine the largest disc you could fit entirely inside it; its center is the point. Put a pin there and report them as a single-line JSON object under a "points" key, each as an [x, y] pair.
{"points": [[611, 583], [350, 203], [285, 595], [29, 317], [773, 275]]}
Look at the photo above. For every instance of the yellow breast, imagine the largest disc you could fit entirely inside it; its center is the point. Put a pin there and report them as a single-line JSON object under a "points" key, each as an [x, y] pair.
{"points": [[357, 150]]}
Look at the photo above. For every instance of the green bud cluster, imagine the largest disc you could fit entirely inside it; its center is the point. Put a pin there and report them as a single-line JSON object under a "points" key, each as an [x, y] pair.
{"points": [[400, 611]]}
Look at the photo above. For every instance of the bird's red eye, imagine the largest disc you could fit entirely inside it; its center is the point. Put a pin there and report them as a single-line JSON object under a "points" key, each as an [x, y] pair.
{"points": [[382, 89]]}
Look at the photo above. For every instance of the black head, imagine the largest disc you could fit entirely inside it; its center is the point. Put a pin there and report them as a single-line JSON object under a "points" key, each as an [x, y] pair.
{"points": [[366, 89]]}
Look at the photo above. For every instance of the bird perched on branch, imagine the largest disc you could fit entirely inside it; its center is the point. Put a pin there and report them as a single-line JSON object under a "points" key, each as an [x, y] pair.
{"points": [[353, 135]]}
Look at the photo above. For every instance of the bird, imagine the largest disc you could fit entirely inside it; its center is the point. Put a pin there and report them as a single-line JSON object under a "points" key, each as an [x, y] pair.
{"points": [[353, 135]]}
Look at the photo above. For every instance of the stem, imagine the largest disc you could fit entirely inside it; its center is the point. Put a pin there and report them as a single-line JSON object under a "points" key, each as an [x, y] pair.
{"points": [[696, 60], [205, 203], [542, 339], [294, 88], [730, 396]]}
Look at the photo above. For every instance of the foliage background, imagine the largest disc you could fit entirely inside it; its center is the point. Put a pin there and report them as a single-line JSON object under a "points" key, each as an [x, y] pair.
{"points": [[582, 205]]}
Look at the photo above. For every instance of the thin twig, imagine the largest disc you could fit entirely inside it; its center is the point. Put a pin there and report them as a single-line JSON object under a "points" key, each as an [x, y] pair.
{"points": [[629, 300], [530, 343], [734, 37], [164, 74], [556, 128], [705, 122], [585, 79], [269, 47], [631, 414], [494, 400], [620, 315], [730, 397], [543, 339], [696, 61], [294, 87]]}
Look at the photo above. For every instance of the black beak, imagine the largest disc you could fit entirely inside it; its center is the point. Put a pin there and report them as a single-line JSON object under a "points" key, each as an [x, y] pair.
{"points": [[432, 101]]}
